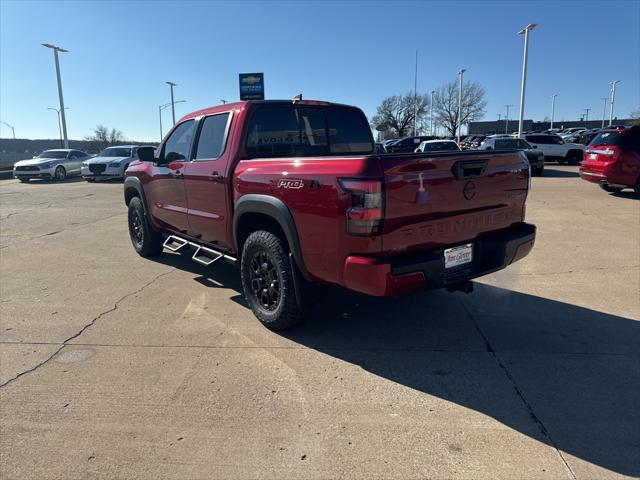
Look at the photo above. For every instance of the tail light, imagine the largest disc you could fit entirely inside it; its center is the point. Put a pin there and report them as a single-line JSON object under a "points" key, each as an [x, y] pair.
{"points": [[613, 152], [364, 215]]}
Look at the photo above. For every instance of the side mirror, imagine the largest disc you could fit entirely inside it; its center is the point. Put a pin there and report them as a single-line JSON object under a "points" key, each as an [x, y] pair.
{"points": [[146, 154]]}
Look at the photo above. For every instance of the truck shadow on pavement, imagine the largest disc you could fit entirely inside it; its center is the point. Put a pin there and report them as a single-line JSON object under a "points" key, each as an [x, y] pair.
{"points": [[551, 172], [561, 374]]}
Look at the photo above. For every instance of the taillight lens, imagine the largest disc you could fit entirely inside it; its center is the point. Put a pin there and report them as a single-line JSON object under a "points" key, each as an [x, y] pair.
{"points": [[613, 152], [364, 216]]}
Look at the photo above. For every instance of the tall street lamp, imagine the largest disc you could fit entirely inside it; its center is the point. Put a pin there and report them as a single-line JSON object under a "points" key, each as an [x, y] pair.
{"points": [[553, 107], [586, 116], [460, 74], [506, 119], [433, 92], [604, 110], [64, 120], [161, 108], [173, 110], [12, 129], [59, 124], [613, 99], [525, 31]]}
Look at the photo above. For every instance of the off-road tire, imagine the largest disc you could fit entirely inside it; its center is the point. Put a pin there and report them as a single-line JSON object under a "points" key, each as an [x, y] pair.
{"points": [[146, 241], [609, 188], [265, 259]]}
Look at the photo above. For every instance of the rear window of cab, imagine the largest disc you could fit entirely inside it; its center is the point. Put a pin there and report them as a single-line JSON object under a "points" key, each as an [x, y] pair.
{"points": [[302, 131]]}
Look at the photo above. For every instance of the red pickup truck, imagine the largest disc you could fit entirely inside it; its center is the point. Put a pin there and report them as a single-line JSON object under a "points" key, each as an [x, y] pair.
{"points": [[294, 193]]}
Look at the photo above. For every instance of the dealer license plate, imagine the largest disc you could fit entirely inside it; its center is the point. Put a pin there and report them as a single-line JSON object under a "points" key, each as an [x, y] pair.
{"points": [[456, 256]]}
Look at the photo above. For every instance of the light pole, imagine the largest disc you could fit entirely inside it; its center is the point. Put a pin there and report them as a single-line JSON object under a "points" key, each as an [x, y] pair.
{"points": [[586, 117], [161, 108], [613, 99], [59, 125], [64, 120], [12, 129], [461, 74], [415, 98], [173, 110], [506, 119], [604, 110], [553, 108], [525, 31], [431, 114]]}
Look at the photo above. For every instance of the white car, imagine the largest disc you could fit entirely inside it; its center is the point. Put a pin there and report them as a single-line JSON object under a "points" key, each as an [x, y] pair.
{"points": [[555, 148], [437, 146], [51, 165], [110, 163]]}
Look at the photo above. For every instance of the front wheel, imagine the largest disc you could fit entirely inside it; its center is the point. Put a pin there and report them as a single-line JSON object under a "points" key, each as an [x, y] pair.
{"points": [[268, 281], [60, 174], [146, 241]]}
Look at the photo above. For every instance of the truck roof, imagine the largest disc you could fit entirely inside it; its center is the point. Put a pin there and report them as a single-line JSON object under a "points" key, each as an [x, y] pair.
{"points": [[241, 104]]}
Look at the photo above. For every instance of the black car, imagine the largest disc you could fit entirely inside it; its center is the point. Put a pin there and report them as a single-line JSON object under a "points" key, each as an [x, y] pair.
{"points": [[535, 157], [408, 144]]}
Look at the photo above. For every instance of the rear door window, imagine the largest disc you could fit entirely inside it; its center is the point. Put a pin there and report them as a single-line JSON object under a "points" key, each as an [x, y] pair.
{"points": [[212, 137], [290, 131]]}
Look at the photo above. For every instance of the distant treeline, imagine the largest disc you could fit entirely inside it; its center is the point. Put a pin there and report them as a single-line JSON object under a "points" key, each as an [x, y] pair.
{"points": [[13, 150], [28, 146]]}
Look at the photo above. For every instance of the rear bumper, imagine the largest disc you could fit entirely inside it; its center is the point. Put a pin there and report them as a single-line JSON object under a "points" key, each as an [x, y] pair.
{"points": [[590, 176], [425, 270]]}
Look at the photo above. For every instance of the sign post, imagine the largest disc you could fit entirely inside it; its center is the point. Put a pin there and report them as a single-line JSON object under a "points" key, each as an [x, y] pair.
{"points": [[251, 86]]}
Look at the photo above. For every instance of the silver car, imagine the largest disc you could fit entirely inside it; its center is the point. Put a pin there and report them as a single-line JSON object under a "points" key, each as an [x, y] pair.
{"points": [[110, 163], [51, 165]]}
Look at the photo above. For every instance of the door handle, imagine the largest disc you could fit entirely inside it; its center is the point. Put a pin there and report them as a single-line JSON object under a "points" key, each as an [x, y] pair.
{"points": [[216, 177], [177, 173]]}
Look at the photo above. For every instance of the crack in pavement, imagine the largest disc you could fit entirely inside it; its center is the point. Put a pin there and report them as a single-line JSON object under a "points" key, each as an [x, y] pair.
{"points": [[63, 230], [532, 414], [65, 343]]}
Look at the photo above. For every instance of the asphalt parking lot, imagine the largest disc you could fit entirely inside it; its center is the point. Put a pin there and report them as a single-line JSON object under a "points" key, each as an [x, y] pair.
{"points": [[113, 366]]}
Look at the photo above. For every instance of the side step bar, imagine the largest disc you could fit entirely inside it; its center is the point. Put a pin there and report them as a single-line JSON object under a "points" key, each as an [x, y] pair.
{"points": [[203, 255]]}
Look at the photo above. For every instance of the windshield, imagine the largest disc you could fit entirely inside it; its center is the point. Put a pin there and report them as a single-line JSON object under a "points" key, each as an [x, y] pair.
{"points": [[53, 154], [115, 152]]}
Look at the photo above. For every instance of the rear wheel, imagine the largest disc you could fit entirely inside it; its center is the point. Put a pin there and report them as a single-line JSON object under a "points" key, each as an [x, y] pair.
{"points": [[574, 157], [268, 281], [636, 187], [609, 188], [146, 241], [60, 174]]}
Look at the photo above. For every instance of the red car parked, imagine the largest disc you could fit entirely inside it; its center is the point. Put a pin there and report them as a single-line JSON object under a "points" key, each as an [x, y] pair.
{"points": [[612, 160], [294, 194]]}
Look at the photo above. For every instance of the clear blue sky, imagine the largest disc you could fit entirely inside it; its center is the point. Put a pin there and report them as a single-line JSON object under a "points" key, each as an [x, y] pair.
{"points": [[121, 53]]}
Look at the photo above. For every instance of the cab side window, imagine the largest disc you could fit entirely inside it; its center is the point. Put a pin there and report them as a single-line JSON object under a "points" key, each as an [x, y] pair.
{"points": [[212, 137], [178, 145]]}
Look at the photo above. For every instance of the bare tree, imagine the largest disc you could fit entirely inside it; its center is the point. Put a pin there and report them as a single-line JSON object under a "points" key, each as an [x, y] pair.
{"points": [[445, 105], [102, 137], [399, 111]]}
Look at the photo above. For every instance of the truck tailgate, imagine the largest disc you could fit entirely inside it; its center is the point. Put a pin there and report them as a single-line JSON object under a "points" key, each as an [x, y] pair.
{"points": [[437, 200]]}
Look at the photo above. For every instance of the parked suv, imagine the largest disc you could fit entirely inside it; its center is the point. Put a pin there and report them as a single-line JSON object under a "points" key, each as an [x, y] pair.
{"points": [[294, 193], [50, 165], [612, 160], [535, 156], [554, 148]]}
